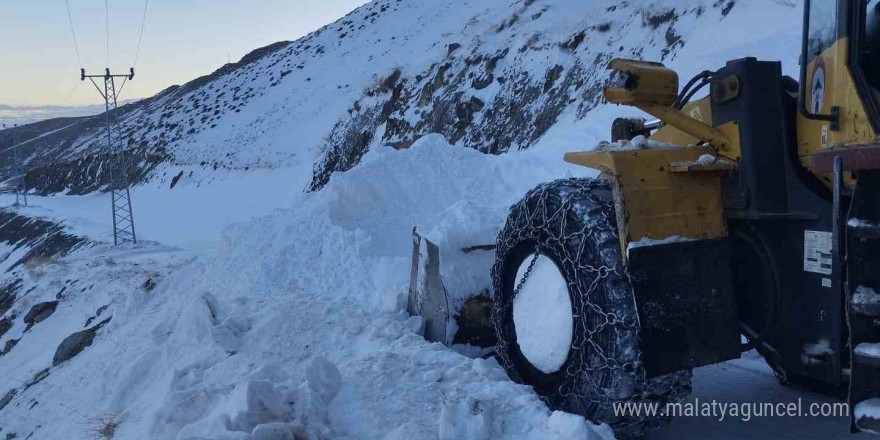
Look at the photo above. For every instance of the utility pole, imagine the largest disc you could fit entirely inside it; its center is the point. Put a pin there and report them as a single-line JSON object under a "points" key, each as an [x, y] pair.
{"points": [[18, 168], [20, 188], [120, 197]]}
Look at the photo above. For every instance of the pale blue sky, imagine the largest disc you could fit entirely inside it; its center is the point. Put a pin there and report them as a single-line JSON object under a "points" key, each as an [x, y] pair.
{"points": [[183, 39]]}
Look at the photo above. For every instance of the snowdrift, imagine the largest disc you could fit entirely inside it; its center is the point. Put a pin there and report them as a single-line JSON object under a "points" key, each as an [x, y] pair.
{"points": [[294, 324]]}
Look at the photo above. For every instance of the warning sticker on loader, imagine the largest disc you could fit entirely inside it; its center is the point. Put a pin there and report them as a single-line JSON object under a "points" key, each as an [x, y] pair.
{"points": [[817, 252]]}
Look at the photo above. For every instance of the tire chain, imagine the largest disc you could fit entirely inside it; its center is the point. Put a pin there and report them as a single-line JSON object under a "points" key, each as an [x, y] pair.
{"points": [[582, 369]]}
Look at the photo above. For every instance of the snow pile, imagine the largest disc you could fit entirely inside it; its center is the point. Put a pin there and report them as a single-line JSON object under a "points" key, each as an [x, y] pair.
{"points": [[812, 353], [542, 314], [637, 143], [868, 349], [246, 341], [865, 296], [706, 159]]}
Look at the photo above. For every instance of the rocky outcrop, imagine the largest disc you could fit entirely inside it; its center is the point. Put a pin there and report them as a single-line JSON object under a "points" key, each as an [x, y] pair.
{"points": [[498, 100], [43, 239], [39, 312], [76, 343], [8, 293], [5, 325], [6, 399]]}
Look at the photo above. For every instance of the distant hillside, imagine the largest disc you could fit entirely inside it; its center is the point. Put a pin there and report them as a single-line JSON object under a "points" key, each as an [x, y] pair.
{"points": [[491, 75]]}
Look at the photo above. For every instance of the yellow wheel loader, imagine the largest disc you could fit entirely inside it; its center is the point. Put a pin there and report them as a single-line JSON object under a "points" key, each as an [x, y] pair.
{"points": [[748, 219]]}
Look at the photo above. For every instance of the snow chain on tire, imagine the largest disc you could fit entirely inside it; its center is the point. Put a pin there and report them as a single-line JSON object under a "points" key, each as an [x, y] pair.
{"points": [[572, 222]]}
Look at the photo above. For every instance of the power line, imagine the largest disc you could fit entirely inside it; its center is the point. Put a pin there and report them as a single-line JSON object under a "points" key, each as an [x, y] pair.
{"points": [[75, 44], [140, 38]]}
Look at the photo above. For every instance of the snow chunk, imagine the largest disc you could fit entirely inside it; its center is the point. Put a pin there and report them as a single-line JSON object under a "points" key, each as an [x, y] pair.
{"points": [[868, 349], [706, 159], [859, 223], [416, 324], [468, 419], [811, 352], [257, 402], [323, 378], [565, 425], [865, 295], [820, 348], [637, 143], [645, 241], [542, 315], [489, 369], [276, 431]]}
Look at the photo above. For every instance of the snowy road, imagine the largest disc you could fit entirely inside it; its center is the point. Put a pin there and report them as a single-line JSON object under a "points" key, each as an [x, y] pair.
{"points": [[750, 380]]}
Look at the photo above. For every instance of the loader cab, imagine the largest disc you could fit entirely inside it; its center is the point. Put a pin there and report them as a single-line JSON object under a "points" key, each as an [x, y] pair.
{"points": [[870, 52], [839, 96]]}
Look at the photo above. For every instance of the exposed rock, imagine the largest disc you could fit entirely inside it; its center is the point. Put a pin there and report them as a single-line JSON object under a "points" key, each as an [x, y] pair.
{"points": [[451, 48], [5, 401], [175, 179], [97, 314], [76, 343], [39, 312], [44, 238], [552, 75], [8, 293], [10, 344], [39, 377], [5, 325]]}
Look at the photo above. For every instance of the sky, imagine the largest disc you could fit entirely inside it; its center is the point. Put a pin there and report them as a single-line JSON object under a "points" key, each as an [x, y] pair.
{"points": [[182, 40]]}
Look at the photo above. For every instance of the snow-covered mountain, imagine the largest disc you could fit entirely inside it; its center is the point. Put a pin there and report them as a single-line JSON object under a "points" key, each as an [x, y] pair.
{"points": [[275, 199], [490, 75]]}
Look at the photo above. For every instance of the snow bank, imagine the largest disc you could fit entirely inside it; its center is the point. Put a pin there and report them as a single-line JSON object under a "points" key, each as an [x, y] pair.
{"points": [[295, 323]]}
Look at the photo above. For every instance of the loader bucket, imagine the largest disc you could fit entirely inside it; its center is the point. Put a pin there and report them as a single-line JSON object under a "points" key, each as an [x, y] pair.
{"points": [[427, 296]]}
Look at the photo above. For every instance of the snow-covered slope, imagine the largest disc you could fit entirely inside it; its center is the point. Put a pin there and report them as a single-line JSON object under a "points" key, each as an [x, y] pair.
{"points": [[492, 75], [220, 331]]}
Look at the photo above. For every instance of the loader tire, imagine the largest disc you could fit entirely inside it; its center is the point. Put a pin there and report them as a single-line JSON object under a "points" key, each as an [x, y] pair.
{"points": [[572, 222]]}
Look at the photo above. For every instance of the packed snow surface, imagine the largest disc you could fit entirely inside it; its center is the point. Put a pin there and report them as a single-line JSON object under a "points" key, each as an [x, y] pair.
{"points": [[542, 314]]}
